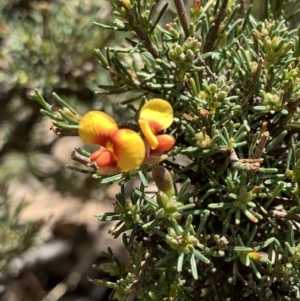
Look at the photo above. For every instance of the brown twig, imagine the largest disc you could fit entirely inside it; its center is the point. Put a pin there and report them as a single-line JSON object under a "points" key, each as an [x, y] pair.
{"points": [[201, 62], [242, 8], [210, 40], [141, 33], [138, 283], [255, 35], [183, 17], [284, 215], [292, 106], [263, 139], [63, 133], [81, 159], [205, 121]]}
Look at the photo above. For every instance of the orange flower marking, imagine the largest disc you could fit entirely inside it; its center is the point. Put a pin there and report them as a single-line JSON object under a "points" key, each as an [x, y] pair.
{"points": [[96, 127], [122, 149], [155, 116], [104, 158]]}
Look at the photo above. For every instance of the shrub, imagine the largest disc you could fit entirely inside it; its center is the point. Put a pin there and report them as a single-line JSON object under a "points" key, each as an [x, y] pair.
{"points": [[223, 221]]}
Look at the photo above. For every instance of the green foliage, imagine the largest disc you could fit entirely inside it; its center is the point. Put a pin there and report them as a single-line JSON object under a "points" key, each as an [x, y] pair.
{"points": [[44, 45], [14, 237], [230, 228]]}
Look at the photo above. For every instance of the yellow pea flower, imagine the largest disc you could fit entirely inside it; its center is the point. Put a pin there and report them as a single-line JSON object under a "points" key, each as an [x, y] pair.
{"points": [[121, 149], [155, 116]]}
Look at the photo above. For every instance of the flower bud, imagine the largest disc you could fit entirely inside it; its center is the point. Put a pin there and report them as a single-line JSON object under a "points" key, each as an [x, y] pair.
{"points": [[197, 5], [213, 88], [162, 199], [253, 67], [272, 100], [202, 140], [190, 55], [202, 95], [277, 43], [178, 50], [163, 180], [264, 32], [191, 240], [222, 95], [172, 242], [182, 57], [195, 46], [255, 255], [226, 89], [294, 73], [285, 48], [267, 45], [127, 4], [113, 268], [171, 207]]}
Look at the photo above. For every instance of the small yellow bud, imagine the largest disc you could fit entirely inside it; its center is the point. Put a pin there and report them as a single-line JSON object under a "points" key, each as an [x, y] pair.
{"points": [[255, 255], [213, 88], [162, 199], [202, 140], [127, 4], [202, 95], [253, 67]]}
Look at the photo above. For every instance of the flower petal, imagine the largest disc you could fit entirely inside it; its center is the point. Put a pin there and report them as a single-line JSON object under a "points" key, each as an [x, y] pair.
{"points": [[165, 143], [158, 113], [96, 127], [148, 133], [103, 158], [129, 149]]}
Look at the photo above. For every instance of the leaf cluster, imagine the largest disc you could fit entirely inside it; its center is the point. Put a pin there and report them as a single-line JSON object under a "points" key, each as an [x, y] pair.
{"points": [[15, 238], [231, 229]]}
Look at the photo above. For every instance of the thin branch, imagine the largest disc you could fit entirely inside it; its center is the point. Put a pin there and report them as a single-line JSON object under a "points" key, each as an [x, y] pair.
{"points": [[255, 35], [284, 215], [138, 283], [242, 9], [293, 105], [263, 139], [203, 114], [261, 145], [63, 133], [141, 33], [183, 17], [210, 40], [76, 156], [201, 62]]}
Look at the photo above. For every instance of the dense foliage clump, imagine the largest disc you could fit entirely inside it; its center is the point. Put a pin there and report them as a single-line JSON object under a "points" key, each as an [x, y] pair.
{"points": [[223, 223]]}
